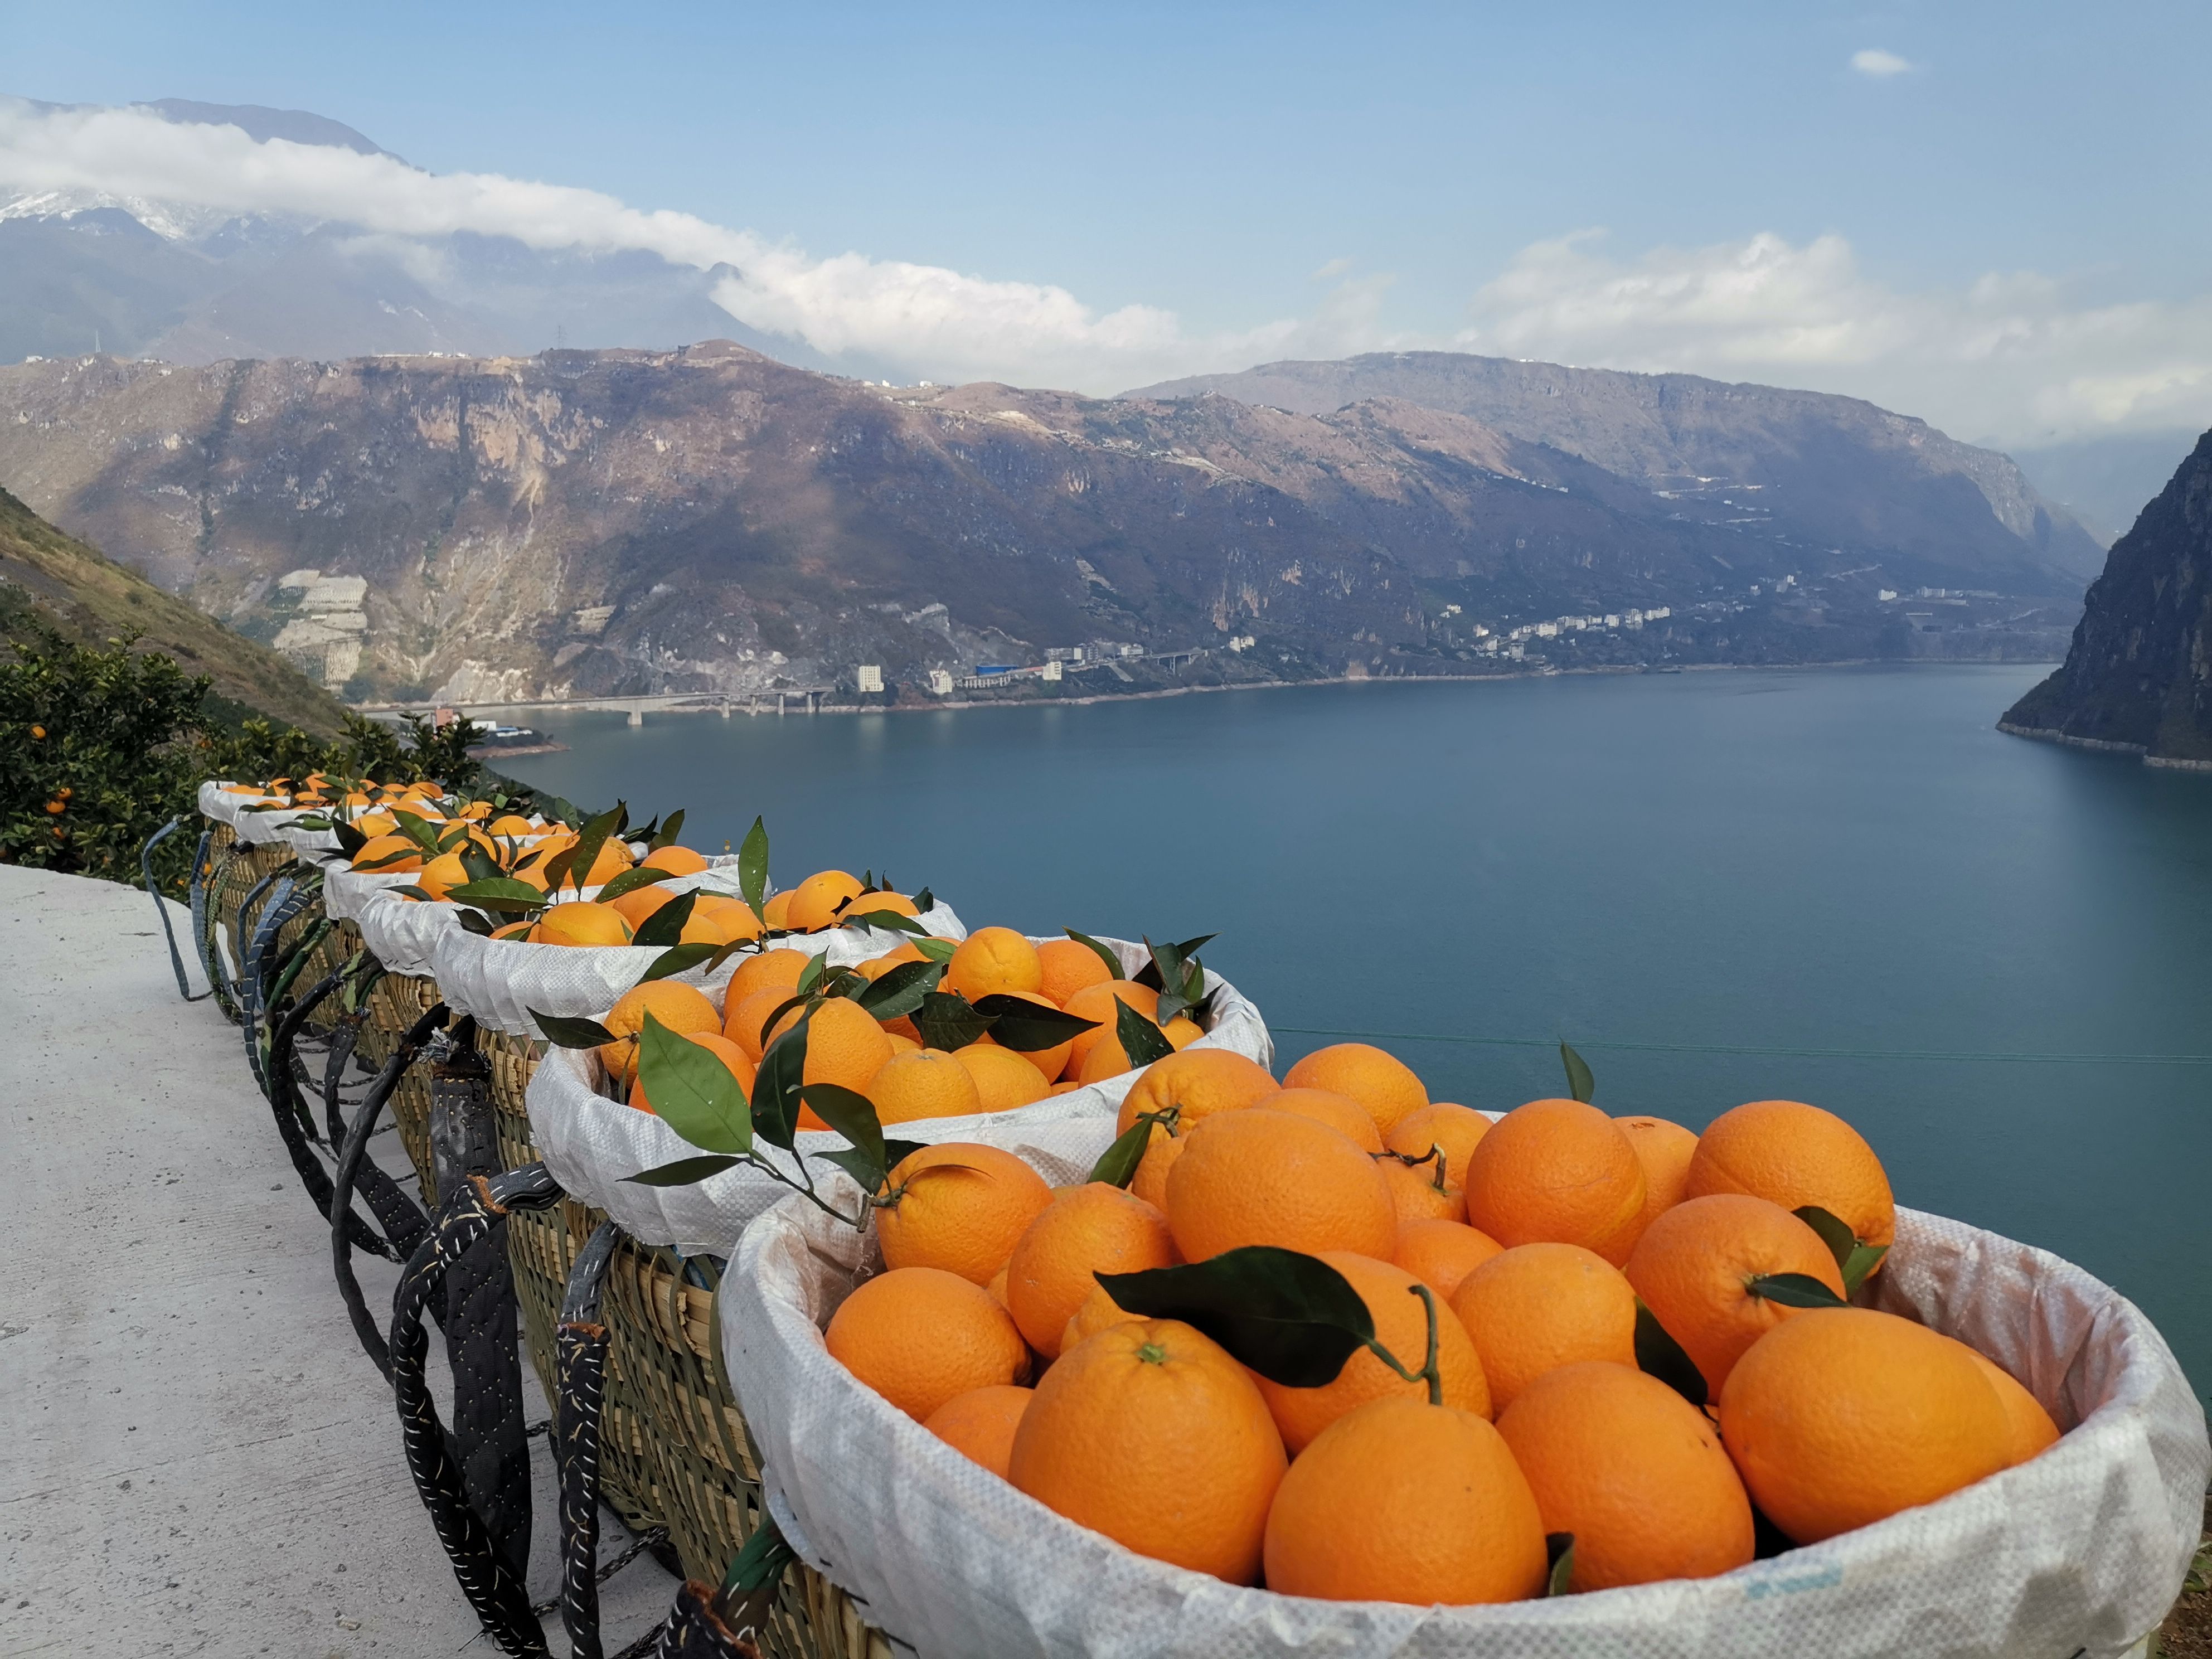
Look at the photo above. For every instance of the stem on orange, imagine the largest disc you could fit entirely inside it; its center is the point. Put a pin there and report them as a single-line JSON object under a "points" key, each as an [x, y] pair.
{"points": [[1429, 1372]]}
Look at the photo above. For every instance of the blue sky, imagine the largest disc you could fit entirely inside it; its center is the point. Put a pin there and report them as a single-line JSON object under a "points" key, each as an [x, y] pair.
{"points": [[1209, 161]]}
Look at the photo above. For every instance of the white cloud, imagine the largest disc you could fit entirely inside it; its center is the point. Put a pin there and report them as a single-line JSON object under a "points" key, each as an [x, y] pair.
{"points": [[1879, 63], [2012, 356]]}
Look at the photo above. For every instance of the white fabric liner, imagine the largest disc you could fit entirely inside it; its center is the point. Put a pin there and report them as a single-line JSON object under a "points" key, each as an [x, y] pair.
{"points": [[591, 1143], [2082, 1549]]}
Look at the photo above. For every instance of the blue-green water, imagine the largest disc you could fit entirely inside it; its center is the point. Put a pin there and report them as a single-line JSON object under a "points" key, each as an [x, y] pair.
{"points": [[1846, 859]]}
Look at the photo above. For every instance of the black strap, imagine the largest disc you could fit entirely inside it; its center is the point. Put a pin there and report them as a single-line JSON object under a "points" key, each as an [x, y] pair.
{"points": [[696, 1628], [406, 1223], [472, 1217], [161, 908], [579, 1365]]}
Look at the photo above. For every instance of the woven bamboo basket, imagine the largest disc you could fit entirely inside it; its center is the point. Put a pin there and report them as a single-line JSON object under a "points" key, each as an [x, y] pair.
{"points": [[662, 1319], [541, 1249], [238, 873], [396, 1001], [252, 867]]}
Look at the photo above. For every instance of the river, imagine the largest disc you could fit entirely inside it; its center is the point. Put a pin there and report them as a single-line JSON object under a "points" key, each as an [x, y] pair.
{"points": [[1706, 865]]}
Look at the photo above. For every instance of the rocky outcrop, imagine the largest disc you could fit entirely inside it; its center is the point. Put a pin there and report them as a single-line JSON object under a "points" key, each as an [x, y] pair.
{"points": [[2139, 674]]}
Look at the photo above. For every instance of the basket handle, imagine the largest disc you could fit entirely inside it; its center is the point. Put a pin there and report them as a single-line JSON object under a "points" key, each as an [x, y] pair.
{"points": [[488, 1570], [160, 906], [405, 1223]]}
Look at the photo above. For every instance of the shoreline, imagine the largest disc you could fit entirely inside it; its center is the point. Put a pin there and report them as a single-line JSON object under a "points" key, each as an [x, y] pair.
{"points": [[599, 704], [2103, 746]]}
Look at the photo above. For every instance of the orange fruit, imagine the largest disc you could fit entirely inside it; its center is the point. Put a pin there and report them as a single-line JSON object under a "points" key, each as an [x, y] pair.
{"points": [[514, 930], [1108, 1057], [780, 967], [1262, 1178], [1401, 1325], [441, 874], [920, 1336], [380, 848], [1694, 1265], [1341, 1112], [1067, 968], [634, 905], [683, 1009], [1151, 1181], [922, 1082], [508, 826], [1403, 1501], [1456, 1130], [1086, 1231], [676, 860], [900, 1044], [1416, 1196], [1152, 1434], [815, 901], [716, 920], [612, 859], [960, 1206], [2029, 1430], [1097, 1002], [875, 967], [878, 902], [1197, 1082], [1048, 1061], [1442, 1254], [580, 922], [998, 1287], [993, 959], [775, 910], [739, 1062], [979, 1424], [1792, 1155], [1534, 1307], [844, 1044], [1557, 1172], [743, 1021], [1099, 1312], [1664, 1149], [1003, 1079], [1381, 1082], [1634, 1471], [1841, 1417]]}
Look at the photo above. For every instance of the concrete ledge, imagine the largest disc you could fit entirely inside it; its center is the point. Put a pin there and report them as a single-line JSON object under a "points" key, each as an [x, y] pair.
{"points": [[198, 1457]]}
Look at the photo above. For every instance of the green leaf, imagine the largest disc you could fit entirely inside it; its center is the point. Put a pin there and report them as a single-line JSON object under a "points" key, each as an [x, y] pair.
{"points": [[563, 811], [752, 868], [564, 1032], [589, 839], [1794, 1290], [667, 834], [397, 855], [1293, 1318], [678, 959], [474, 921], [935, 949], [1658, 1354], [1864, 1259], [1017, 1023], [891, 922], [811, 975], [1167, 966], [1581, 1086], [1189, 946], [900, 991], [776, 1089], [1560, 1547], [1834, 1231], [761, 1562], [499, 893], [684, 1171], [1117, 1164], [414, 892], [478, 865], [419, 830], [665, 926], [350, 840], [946, 1021], [637, 876], [897, 1152], [865, 1171], [692, 1091], [925, 902], [1141, 1041], [1103, 952], [777, 1013], [852, 1115]]}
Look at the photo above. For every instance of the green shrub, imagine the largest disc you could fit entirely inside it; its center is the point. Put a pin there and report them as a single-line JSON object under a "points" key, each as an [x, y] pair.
{"points": [[100, 747]]}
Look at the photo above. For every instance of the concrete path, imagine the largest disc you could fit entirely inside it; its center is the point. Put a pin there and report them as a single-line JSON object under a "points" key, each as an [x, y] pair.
{"points": [[196, 1457]]}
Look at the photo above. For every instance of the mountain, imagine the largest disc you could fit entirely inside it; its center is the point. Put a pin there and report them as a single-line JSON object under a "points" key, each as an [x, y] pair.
{"points": [[84, 270], [2139, 675], [711, 520], [2105, 480], [1831, 471], [90, 598]]}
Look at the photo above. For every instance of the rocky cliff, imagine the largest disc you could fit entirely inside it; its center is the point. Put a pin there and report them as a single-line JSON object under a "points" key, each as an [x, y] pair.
{"points": [[711, 520], [2139, 674]]}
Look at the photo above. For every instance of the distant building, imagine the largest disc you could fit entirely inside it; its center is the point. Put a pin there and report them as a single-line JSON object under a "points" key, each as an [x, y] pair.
{"points": [[1064, 653], [1054, 671], [940, 683], [872, 677]]}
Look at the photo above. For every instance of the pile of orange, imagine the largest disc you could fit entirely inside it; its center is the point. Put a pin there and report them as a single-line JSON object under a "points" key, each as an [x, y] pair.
{"points": [[1538, 1237]]}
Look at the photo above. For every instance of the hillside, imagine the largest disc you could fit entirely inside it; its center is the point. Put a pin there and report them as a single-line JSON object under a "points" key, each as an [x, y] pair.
{"points": [[91, 597], [583, 524], [2139, 675], [1829, 469]]}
